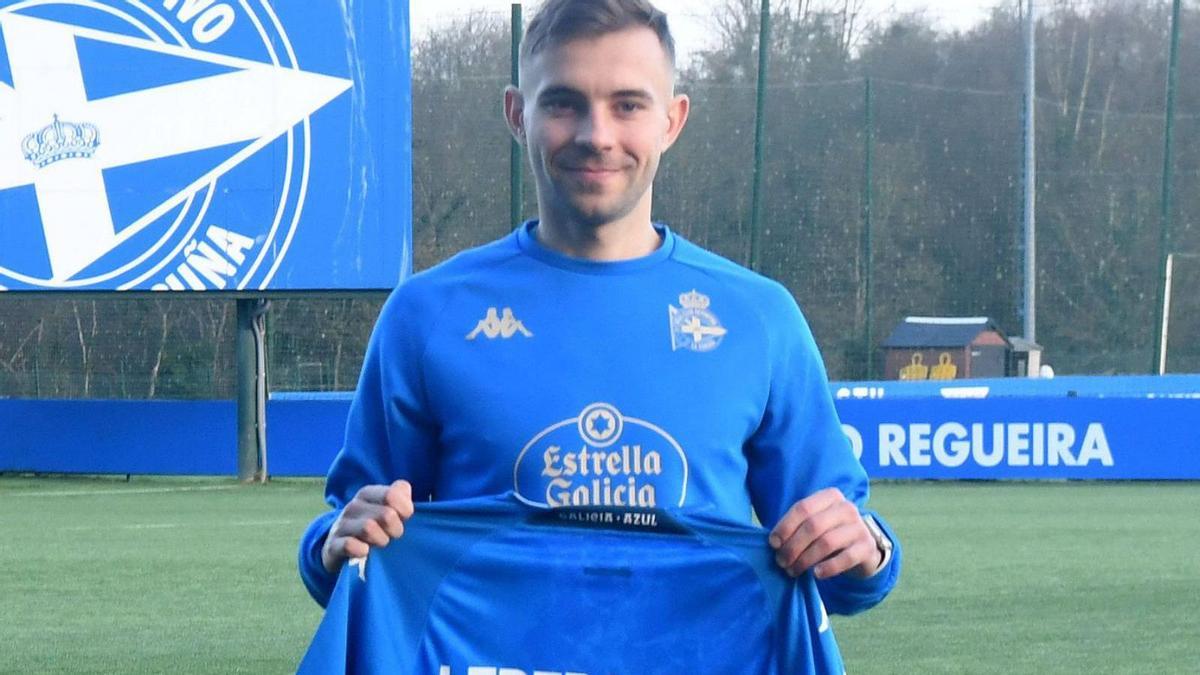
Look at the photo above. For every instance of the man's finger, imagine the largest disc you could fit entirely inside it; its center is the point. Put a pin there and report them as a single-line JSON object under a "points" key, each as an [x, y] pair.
{"points": [[399, 497], [848, 559], [393, 524], [372, 494], [828, 546], [812, 530], [372, 533], [338, 549], [353, 548], [800, 512]]}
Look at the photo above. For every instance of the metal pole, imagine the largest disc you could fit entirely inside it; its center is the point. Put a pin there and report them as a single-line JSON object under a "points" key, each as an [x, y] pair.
{"points": [[1165, 314], [1030, 177], [1164, 227], [764, 48], [247, 376], [868, 193], [516, 191], [251, 389]]}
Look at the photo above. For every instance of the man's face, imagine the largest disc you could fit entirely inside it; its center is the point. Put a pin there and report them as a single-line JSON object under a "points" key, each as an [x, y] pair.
{"points": [[595, 115]]}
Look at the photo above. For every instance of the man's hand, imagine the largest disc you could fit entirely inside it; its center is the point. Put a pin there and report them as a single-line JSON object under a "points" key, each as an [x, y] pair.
{"points": [[374, 517], [824, 531]]}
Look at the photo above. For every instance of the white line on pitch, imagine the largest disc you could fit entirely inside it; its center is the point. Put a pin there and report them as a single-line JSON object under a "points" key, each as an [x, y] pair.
{"points": [[171, 526], [139, 491]]}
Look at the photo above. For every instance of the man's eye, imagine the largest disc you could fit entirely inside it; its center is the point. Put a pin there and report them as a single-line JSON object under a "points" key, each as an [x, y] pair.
{"points": [[558, 107], [629, 107]]}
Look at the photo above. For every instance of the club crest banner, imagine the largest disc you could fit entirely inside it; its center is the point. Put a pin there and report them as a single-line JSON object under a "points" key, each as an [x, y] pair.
{"points": [[204, 145]]}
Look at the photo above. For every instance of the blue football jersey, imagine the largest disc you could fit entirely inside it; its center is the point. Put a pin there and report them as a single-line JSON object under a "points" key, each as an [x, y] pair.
{"points": [[676, 380], [493, 586]]}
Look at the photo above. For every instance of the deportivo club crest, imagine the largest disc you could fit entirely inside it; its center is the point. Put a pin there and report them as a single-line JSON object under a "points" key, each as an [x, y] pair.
{"points": [[693, 326], [151, 145]]}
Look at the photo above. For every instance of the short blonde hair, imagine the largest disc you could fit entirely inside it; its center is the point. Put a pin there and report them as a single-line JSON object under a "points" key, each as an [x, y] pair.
{"points": [[560, 21]]}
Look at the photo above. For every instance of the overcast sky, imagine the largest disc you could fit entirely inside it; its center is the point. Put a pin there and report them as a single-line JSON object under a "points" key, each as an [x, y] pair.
{"points": [[689, 18]]}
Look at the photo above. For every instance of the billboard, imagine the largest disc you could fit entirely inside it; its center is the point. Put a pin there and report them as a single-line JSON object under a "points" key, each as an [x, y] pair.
{"points": [[1052, 438], [204, 145], [902, 439]]}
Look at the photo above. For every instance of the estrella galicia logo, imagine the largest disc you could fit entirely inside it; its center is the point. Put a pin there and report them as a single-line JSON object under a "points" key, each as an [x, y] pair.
{"points": [[151, 145], [602, 458]]}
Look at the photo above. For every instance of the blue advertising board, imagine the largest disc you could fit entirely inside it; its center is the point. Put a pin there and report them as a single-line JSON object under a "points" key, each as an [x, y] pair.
{"points": [[115, 437], [1006, 438], [204, 145], [1026, 438]]}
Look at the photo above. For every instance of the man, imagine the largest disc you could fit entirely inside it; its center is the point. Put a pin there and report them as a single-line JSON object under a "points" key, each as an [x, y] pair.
{"points": [[593, 357]]}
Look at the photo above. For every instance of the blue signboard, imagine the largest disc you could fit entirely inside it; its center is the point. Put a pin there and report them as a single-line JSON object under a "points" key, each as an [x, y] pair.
{"points": [[1058, 438], [1026, 438], [131, 437], [204, 145]]}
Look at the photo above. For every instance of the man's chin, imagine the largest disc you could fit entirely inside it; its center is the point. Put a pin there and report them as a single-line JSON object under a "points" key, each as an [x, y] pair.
{"points": [[597, 217], [593, 214]]}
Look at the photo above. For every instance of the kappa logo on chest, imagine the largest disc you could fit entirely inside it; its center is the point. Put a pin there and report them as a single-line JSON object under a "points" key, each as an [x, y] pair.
{"points": [[499, 324]]}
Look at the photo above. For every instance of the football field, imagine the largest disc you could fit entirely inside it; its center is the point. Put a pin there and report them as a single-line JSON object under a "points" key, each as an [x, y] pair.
{"points": [[159, 575]]}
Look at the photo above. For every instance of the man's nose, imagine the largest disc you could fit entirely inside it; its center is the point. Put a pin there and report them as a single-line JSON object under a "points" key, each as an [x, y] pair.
{"points": [[596, 130]]}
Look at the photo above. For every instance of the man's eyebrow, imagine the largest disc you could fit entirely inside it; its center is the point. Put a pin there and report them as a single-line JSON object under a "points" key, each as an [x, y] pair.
{"points": [[559, 91], [563, 91], [633, 93]]}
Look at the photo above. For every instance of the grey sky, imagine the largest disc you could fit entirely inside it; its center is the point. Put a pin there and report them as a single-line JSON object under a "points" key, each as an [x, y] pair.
{"points": [[690, 18]]}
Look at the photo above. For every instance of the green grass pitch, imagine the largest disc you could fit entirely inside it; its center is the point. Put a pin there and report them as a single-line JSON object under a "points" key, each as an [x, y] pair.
{"points": [[198, 576]]}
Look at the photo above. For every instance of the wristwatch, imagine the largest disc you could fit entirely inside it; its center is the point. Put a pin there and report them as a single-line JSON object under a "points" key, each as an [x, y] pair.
{"points": [[882, 542]]}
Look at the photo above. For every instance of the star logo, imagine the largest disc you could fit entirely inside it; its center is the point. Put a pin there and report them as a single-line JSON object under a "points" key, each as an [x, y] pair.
{"points": [[600, 425], [71, 122]]}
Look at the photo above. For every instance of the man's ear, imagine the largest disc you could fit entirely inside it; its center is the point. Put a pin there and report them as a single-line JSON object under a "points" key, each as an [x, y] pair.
{"points": [[677, 116], [514, 112]]}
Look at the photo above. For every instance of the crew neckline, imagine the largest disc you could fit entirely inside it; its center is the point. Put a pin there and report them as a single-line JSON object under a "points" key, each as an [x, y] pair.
{"points": [[530, 245]]}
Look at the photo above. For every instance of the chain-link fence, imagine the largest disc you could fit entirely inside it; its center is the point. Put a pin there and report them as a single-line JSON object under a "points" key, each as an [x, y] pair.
{"points": [[892, 162]]}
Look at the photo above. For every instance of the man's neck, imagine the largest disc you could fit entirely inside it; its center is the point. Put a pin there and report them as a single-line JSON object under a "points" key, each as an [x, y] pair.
{"points": [[623, 239]]}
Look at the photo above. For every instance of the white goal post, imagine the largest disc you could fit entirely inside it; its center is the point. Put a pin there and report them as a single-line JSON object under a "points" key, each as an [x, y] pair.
{"points": [[1163, 330]]}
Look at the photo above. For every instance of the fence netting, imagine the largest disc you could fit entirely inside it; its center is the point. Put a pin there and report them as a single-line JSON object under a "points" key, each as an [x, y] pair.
{"points": [[891, 186]]}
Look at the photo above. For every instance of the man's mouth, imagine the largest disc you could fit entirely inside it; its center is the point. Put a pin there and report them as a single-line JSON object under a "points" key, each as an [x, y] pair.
{"points": [[589, 171]]}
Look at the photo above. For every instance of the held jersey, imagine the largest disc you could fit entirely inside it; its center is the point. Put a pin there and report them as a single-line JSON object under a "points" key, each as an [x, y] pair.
{"points": [[495, 587], [675, 380]]}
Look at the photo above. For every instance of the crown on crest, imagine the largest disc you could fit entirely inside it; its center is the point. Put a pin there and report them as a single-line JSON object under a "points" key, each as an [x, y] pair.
{"points": [[60, 140], [694, 300]]}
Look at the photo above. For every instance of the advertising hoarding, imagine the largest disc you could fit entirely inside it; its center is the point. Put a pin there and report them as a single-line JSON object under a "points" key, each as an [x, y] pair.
{"points": [[204, 145]]}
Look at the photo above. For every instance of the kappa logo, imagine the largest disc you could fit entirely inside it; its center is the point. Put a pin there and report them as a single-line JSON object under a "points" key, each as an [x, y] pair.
{"points": [[135, 136], [693, 326], [499, 324]]}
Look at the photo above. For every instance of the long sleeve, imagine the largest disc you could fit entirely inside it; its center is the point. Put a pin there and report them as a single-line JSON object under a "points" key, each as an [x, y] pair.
{"points": [[390, 432], [800, 448]]}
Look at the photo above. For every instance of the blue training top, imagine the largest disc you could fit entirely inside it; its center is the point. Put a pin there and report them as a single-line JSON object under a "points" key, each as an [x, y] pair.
{"points": [[678, 379], [492, 586]]}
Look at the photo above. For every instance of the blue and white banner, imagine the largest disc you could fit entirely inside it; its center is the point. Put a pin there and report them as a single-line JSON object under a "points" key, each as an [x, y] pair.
{"points": [[204, 145], [1026, 438]]}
